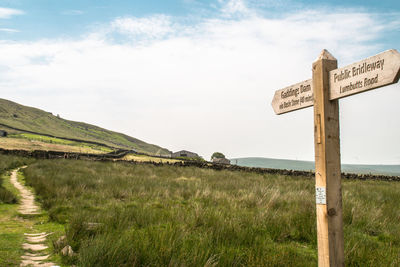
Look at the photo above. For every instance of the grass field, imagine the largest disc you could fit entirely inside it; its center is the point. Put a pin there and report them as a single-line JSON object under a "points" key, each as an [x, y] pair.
{"points": [[144, 158], [36, 144], [58, 141], [118, 214], [30, 142]]}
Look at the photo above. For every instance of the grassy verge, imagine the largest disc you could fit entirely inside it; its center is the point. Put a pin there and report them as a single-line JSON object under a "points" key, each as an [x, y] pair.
{"points": [[12, 229], [11, 235], [118, 214], [7, 195], [13, 225]]}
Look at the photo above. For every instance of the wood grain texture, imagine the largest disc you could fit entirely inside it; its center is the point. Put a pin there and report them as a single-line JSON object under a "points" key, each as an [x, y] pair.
{"points": [[294, 97], [371, 73], [327, 165]]}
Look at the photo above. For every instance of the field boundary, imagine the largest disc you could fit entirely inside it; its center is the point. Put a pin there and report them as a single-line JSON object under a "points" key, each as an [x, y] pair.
{"points": [[118, 155]]}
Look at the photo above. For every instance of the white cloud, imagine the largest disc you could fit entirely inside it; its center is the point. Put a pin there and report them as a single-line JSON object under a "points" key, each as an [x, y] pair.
{"points": [[8, 30], [205, 87], [157, 26], [235, 8], [6, 13]]}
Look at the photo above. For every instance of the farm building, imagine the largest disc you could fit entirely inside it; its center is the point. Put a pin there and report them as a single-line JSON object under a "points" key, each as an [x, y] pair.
{"points": [[184, 153], [221, 161], [3, 133]]}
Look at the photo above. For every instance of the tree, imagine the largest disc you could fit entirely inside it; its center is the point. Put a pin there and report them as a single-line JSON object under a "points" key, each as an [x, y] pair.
{"points": [[217, 155]]}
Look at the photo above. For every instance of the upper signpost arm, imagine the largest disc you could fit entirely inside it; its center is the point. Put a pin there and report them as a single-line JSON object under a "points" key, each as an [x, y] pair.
{"points": [[370, 73]]}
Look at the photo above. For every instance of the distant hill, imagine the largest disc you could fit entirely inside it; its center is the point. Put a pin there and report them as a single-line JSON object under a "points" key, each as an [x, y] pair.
{"points": [[39, 121], [392, 170]]}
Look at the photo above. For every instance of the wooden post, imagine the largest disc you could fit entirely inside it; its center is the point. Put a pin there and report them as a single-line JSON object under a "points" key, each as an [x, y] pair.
{"points": [[327, 166], [327, 85]]}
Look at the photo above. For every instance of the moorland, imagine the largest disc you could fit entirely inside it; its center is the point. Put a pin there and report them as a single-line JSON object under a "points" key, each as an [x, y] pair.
{"points": [[122, 214]]}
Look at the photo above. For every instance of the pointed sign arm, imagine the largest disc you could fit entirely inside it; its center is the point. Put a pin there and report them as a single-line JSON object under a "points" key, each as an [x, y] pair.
{"points": [[370, 73]]}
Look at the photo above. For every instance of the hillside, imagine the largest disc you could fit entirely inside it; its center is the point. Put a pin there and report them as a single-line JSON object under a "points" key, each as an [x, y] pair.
{"points": [[39, 121]]}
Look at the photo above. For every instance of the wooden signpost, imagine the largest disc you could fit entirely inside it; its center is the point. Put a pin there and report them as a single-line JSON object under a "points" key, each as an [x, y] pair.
{"points": [[297, 96], [327, 85]]}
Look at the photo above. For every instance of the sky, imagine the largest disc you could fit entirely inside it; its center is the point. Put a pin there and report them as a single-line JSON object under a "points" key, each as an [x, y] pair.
{"points": [[200, 75]]}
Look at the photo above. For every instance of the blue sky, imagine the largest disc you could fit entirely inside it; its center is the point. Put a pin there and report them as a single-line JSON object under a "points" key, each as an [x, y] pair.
{"points": [[200, 75], [44, 19], [62, 18]]}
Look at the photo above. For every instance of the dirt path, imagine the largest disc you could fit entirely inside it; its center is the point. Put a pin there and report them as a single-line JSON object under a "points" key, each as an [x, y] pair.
{"points": [[34, 242]]}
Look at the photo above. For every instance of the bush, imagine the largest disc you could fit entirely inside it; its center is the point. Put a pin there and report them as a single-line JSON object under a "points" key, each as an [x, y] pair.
{"points": [[217, 155]]}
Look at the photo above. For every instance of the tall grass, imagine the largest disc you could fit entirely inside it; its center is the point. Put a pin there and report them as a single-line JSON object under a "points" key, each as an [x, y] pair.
{"points": [[117, 214], [8, 163]]}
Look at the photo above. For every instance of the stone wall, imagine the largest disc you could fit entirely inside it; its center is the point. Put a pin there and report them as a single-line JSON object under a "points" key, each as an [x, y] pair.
{"points": [[117, 157]]}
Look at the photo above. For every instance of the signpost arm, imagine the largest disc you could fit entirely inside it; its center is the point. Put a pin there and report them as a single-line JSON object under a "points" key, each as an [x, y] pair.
{"points": [[327, 166]]}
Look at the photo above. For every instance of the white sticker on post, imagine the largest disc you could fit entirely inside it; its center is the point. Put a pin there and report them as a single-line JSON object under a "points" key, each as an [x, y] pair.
{"points": [[320, 195]]}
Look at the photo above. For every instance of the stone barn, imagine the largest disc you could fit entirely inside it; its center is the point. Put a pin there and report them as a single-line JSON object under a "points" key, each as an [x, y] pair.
{"points": [[184, 153]]}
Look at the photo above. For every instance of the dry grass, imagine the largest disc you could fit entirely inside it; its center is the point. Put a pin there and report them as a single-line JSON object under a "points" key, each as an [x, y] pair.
{"points": [[142, 158], [26, 144]]}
